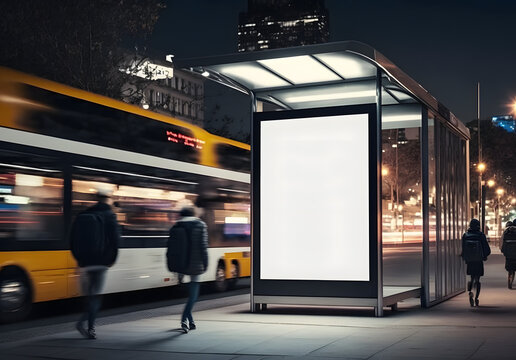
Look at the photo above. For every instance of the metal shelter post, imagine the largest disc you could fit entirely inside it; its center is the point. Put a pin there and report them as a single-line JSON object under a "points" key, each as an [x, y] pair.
{"points": [[379, 305]]}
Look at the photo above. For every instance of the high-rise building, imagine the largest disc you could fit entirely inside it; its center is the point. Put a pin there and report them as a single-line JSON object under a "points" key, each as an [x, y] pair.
{"points": [[270, 24]]}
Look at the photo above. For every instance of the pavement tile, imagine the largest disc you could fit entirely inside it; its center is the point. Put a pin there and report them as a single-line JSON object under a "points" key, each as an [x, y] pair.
{"points": [[284, 346], [363, 343]]}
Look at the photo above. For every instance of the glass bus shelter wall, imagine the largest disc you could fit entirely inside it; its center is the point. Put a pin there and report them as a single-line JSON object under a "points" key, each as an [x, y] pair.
{"points": [[402, 207]]}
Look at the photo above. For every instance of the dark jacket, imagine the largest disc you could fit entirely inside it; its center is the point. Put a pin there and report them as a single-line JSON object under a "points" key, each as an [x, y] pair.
{"points": [[478, 235], [112, 234], [198, 236], [508, 234]]}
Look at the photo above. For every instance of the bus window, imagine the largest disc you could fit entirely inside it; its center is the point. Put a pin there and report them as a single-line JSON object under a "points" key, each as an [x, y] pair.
{"points": [[76, 119], [233, 158], [31, 199], [145, 212], [230, 224]]}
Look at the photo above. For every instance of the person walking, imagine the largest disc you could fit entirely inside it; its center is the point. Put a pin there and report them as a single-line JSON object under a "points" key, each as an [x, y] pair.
{"points": [[187, 254], [95, 236], [509, 251], [475, 251]]}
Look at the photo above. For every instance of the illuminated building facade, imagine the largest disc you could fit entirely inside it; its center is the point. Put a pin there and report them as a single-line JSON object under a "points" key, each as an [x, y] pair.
{"points": [[506, 122], [157, 86], [275, 24]]}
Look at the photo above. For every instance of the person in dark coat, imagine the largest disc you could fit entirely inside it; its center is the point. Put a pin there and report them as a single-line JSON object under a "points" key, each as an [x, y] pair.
{"points": [[198, 239], [94, 264], [509, 235], [475, 268]]}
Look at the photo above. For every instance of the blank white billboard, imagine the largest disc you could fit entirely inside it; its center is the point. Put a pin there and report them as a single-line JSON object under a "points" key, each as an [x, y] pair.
{"points": [[314, 198]]}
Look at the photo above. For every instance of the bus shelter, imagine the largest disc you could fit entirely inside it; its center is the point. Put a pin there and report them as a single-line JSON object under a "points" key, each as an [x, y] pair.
{"points": [[359, 178]]}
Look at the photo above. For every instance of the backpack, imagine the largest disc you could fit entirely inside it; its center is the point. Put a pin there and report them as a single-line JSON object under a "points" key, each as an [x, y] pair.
{"points": [[88, 238], [472, 250], [178, 249], [509, 243], [185, 248]]}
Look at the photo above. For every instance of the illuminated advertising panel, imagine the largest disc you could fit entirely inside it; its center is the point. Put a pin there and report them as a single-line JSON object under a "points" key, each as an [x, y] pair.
{"points": [[314, 191], [314, 197]]}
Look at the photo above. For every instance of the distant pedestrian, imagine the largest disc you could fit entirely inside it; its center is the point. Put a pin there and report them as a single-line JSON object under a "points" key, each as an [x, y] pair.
{"points": [[187, 254], [94, 243], [509, 251], [475, 251]]}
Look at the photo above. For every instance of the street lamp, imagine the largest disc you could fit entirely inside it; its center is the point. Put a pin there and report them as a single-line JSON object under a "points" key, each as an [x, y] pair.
{"points": [[498, 216], [491, 183], [385, 172], [400, 209], [481, 199]]}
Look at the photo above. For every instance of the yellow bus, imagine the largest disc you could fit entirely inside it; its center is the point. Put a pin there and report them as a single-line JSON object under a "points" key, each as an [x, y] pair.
{"points": [[59, 144]]}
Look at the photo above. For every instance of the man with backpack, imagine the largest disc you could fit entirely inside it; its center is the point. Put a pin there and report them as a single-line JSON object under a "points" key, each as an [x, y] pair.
{"points": [[475, 251], [187, 254], [509, 251], [94, 243]]}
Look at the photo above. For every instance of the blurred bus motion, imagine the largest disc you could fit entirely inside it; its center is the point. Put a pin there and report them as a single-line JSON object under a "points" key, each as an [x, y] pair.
{"points": [[58, 145]]}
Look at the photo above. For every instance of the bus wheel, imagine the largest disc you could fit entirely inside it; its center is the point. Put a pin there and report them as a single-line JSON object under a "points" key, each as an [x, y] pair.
{"points": [[235, 273], [15, 296], [220, 277]]}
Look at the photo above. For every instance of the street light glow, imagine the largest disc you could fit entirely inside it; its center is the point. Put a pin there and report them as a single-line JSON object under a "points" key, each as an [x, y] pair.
{"points": [[490, 183], [481, 167], [385, 171], [499, 191]]}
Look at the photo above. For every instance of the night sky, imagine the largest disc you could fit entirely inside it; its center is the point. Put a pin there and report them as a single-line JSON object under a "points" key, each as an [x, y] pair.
{"points": [[446, 46]]}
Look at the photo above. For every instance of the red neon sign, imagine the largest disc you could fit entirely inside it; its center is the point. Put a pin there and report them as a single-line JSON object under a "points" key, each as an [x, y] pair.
{"points": [[179, 138]]}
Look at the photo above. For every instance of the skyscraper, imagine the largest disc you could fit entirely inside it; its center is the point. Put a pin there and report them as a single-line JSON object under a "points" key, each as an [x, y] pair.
{"points": [[270, 24]]}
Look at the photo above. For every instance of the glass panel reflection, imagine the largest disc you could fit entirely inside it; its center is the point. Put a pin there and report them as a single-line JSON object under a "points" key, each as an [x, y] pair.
{"points": [[432, 209], [402, 223]]}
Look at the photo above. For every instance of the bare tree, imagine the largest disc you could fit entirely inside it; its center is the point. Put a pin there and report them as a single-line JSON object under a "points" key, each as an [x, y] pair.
{"points": [[79, 43]]}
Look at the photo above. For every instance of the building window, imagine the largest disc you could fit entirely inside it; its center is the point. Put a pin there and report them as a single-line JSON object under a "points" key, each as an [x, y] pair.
{"points": [[151, 96]]}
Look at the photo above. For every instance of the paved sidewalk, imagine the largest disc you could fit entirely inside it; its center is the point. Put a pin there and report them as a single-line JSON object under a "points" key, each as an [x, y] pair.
{"points": [[451, 330]]}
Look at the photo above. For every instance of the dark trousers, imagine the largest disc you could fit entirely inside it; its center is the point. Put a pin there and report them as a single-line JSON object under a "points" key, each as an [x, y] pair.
{"points": [[193, 294], [92, 283]]}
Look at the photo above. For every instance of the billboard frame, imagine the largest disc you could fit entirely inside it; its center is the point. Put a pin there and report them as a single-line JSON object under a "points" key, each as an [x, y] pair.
{"points": [[317, 292]]}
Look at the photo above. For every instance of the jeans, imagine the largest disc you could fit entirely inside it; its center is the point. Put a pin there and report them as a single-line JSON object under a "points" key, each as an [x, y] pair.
{"points": [[193, 294], [92, 283]]}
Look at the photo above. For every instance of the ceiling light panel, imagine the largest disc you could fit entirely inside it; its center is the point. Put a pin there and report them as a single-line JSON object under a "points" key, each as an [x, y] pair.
{"points": [[250, 75], [300, 69], [400, 95], [401, 116], [322, 96], [347, 65]]}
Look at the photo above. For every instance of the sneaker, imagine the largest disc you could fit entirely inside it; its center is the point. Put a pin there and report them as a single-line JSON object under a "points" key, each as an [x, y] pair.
{"points": [[476, 302], [91, 334], [471, 299], [184, 327], [81, 329], [192, 326]]}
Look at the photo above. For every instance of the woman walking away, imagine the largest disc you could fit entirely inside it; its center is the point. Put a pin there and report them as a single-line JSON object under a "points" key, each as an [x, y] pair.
{"points": [[475, 251], [509, 251]]}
